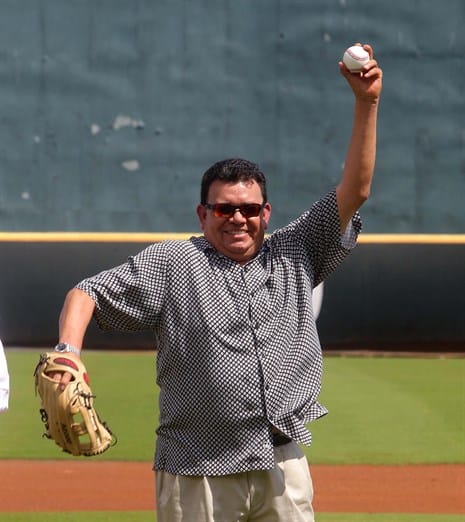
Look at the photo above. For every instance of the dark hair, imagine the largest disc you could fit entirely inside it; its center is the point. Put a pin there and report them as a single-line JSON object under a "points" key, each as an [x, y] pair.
{"points": [[231, 171]]}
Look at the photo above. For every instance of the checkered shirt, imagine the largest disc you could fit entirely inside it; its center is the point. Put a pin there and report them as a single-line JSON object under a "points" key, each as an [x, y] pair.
{"points": [[237, 346]]}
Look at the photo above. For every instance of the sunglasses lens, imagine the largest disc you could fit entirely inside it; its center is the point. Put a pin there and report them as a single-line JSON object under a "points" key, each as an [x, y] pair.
{"points": [[225, 210], [251, 210]]}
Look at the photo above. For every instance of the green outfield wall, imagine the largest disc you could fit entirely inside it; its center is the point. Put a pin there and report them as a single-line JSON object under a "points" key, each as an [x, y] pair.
{"points": [[112, 109]]}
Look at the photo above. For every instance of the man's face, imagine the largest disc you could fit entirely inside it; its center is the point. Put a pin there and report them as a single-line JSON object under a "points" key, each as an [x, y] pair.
{"points": [[237, 237]]}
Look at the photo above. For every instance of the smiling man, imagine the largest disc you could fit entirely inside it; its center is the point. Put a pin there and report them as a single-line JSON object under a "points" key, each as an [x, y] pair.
{"points": [[239, 362], [233, 212]]}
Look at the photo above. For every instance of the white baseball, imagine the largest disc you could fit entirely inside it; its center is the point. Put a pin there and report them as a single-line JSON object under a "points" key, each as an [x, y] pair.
{"points": [[355, 58]]}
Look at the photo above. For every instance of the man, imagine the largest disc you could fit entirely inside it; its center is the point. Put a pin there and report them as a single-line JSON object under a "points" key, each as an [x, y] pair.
{"points": [[239, 361]]}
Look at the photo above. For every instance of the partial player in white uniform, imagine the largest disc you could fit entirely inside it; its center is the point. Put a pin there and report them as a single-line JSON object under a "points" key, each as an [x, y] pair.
{"points": [[4, 381], [317, 299]]}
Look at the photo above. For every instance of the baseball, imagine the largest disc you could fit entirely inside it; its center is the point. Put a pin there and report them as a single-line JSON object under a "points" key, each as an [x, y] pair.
{"points": [[355, 58]]}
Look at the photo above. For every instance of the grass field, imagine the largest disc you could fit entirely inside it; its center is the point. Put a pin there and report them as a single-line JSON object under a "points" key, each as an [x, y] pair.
{"points": [[391, 411], [382, 411]]}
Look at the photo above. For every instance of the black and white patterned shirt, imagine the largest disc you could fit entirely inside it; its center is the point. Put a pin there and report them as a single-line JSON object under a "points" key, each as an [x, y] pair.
{"points": [[238, 348]]}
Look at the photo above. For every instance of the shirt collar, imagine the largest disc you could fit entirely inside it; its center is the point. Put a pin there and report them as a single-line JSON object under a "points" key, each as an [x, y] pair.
{"points": [[204, 246]]}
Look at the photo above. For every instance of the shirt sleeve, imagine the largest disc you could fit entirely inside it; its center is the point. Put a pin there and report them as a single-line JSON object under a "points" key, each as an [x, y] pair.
{"points": [[130, 296], [316, 234]]}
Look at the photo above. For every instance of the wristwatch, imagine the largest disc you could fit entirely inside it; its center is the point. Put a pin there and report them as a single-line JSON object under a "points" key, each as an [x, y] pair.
{"points": [[65, 347]]}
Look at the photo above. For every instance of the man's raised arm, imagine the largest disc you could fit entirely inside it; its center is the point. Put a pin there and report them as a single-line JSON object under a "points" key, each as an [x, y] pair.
{"points": [[354, 187]]}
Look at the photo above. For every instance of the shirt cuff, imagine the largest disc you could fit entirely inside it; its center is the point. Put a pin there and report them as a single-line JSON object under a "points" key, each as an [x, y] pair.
{"points": [[350, 234]]}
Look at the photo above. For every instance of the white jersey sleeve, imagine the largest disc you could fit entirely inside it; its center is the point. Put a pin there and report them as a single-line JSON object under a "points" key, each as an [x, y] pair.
{"points": [[4, 381]]}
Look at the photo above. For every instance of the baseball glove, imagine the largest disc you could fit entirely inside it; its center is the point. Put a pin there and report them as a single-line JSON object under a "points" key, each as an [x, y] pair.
{"points": [[69, 415]]}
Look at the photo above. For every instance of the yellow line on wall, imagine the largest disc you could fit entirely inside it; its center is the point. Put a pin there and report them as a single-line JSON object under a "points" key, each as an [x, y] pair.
{"points": [[92, 237], [413, 238], [145, 237]]}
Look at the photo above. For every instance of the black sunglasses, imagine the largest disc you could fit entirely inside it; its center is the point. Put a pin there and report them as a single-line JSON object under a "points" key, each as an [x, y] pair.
{"points": [[225, 210]]}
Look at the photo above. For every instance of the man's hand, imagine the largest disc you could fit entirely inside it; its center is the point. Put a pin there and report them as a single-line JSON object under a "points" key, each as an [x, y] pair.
{"points": [[367, 84], [63, 377]]}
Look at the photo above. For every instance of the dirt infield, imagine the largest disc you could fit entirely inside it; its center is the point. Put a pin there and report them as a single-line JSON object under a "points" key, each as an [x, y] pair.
{"points": [[121, 486]]}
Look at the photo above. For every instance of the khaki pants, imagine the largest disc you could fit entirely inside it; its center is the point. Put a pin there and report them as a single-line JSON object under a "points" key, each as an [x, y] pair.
{"points": [[283, 494]]}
